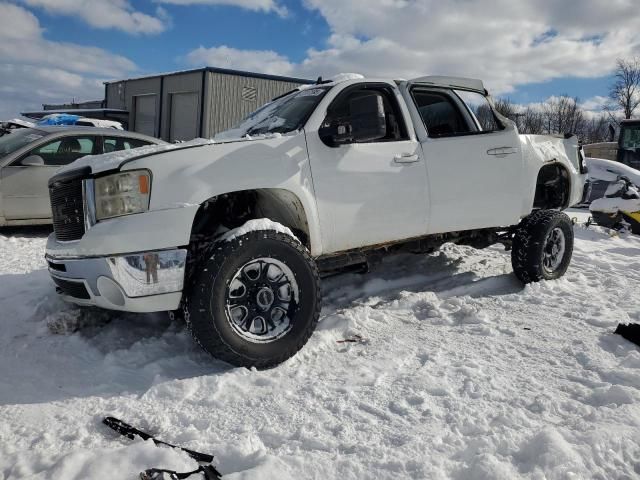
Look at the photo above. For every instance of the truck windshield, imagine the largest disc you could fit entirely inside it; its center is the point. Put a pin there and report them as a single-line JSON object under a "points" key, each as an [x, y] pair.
{"points": [[631, 137], [17, 139], [282, 115], [629, 146]]}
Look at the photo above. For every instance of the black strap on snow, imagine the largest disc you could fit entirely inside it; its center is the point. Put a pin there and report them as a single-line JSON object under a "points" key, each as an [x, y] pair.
{"points": [[128, 431], [209, 472]]}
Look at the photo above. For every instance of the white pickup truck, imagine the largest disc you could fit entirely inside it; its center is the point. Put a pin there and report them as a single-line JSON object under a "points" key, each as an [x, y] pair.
{"points": [[234, 234]]}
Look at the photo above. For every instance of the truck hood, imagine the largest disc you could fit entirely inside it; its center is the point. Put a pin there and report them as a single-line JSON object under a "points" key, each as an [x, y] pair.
{"points": [[113, 160]]}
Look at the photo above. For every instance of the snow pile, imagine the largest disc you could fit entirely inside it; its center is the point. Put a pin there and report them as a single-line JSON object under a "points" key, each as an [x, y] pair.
{"points": [[609, 171], [455, 371], [609, 204], [256, 225]]}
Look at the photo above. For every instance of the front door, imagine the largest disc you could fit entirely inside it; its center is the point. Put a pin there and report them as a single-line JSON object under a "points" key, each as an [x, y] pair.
{"points": [[368, 193], [25, 192], [474, 163]]}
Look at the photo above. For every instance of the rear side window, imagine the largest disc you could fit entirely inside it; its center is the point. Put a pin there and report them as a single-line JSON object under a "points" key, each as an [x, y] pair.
{"points": [[115, 144], [440, 114], [480, 108], [64, 150]]}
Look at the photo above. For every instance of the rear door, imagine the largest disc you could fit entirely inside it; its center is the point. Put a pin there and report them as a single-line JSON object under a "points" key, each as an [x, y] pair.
{"points": [[25, 192], [474, 162]]}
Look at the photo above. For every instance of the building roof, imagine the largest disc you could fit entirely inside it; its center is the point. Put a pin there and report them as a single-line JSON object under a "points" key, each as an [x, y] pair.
{"points": [[225, 71], [83, 112]]}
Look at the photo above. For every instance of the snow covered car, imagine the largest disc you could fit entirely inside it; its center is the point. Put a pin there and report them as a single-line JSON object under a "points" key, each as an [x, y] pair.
{"points": [[30, 156], [233, 234], [9, 125]]}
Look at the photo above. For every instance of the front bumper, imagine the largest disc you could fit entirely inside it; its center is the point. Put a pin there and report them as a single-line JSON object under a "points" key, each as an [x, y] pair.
{"points": [[135, 282]]}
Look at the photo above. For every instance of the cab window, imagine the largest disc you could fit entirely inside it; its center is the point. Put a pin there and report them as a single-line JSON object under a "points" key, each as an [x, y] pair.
{"points": [[339, 110], [440, 114], [64, 151], [479, 107], [115, 144]]}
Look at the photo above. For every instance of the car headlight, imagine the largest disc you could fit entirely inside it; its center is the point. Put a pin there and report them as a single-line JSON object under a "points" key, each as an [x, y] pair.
{"points": [[122, 194]]}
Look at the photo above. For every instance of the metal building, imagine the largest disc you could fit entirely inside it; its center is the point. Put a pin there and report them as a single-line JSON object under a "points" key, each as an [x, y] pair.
{"points": [[194, 103]]}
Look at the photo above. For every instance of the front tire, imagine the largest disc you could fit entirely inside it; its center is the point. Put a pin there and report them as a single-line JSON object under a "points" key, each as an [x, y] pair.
{"points": [[542, 246], [256, 301]]}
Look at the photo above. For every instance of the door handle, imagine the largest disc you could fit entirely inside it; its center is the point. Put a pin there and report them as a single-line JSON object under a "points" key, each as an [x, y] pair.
{"points": [[406, 158], [502, 151]]}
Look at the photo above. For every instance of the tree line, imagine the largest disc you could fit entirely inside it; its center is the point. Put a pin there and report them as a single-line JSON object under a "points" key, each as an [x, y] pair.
{"points": [[564, 114]]}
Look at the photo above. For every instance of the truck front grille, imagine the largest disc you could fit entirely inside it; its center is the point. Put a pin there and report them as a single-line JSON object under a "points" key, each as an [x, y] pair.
{"points": [[67, 209], [72, 289]]}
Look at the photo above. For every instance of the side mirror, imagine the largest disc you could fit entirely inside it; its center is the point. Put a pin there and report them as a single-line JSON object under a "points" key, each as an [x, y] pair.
{"points": [[32, 161], [366, 122]]}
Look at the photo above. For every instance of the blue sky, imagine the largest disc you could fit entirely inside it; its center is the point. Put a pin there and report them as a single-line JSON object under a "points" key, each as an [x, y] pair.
{"points": [[52, 50]]}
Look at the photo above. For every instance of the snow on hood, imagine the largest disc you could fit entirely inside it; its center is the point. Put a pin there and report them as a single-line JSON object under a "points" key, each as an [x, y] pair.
{"points": [[112, 160], [609, 171]]}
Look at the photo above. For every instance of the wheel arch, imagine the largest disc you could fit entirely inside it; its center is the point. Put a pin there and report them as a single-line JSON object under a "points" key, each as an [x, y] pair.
{"points": [[233, 209], [553, 187]]}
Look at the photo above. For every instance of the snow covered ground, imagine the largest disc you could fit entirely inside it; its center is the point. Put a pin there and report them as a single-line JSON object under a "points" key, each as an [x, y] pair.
{"points": [[456, 371]]}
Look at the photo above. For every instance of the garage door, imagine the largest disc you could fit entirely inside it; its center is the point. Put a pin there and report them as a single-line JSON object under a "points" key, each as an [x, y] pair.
{"points": [[184, 116], [145, 114]]}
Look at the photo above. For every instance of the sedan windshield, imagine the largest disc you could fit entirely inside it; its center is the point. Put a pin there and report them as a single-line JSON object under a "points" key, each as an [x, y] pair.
{"points": [[282, 115], [18, 138]]}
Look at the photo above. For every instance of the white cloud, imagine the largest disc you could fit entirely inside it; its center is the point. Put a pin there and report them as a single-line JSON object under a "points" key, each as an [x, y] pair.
{"points": [[595, 104], [253, 5], [504, 42], [263, 61], [106, 14], [34, 70]]}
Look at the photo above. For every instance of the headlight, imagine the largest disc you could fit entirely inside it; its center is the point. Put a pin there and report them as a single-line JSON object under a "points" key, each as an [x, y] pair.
{"points": [[122, 194]]}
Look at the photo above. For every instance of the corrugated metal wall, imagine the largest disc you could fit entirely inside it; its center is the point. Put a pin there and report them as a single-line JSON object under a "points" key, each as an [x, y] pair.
{"points": [[230, 98]]}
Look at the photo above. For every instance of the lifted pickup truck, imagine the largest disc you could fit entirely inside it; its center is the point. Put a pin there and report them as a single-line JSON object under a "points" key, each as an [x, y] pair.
{"points": [[234, 234]]}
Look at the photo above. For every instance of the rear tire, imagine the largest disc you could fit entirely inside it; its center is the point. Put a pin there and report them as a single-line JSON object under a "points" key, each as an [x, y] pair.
{"points": [[256, 301], [542, 246]]}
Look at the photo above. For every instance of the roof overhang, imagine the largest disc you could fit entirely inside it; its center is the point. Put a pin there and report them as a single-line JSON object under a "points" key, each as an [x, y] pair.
{"points": [[451, 82]]}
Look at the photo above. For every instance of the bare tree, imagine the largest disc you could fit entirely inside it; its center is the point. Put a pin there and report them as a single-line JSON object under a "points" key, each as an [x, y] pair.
{"points": [[556, 115], [625, 91], [562, 115], [595, 130], [531, 121]]}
